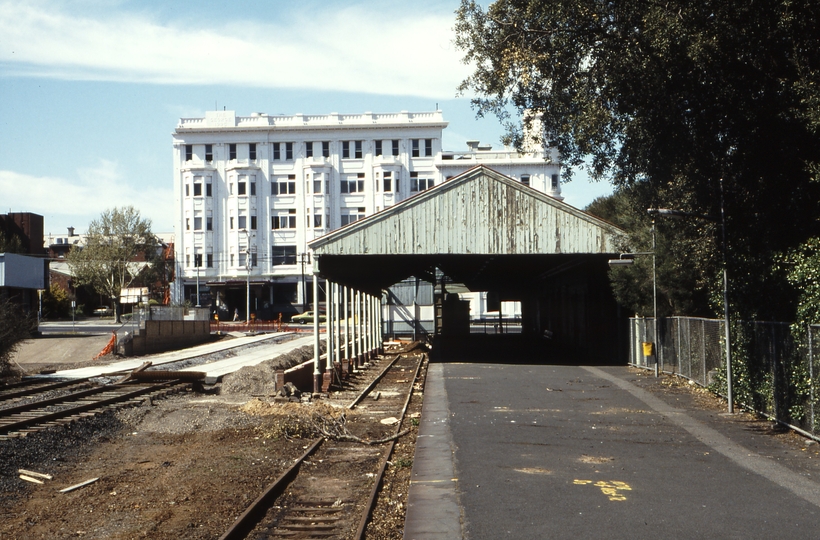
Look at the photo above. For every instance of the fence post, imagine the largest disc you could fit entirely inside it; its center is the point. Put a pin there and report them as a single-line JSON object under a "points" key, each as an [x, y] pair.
{"points": [[704, 375], [811, 378]]}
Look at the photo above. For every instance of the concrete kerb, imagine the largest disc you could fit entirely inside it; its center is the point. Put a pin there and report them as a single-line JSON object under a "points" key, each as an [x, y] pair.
{"points": [[433, 509]]}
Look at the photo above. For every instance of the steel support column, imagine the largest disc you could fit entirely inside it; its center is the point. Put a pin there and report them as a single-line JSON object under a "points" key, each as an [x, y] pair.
{"points": [[347, 324], [317, 374]]}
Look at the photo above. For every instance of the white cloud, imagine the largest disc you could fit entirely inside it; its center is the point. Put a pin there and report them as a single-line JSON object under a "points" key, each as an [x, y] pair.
{"points": [[353, 49], [75, 202]]}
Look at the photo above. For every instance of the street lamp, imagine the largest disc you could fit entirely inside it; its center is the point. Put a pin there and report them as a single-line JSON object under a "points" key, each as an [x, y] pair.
{"points": [[680, 214], [621, 261]]}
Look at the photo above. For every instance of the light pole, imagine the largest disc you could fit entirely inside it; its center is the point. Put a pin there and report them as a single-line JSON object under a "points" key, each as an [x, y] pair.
{"points": [[196, 262], [248, 283], [621, 261], [304, 258], [680, 214]]}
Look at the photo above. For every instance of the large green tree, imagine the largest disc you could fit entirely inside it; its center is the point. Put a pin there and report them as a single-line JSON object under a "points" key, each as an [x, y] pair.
{"points": [[674, 96], [116, 248]]}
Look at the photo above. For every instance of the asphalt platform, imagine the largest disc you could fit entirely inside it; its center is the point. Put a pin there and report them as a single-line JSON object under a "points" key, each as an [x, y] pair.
{"points": [[557, 451]]}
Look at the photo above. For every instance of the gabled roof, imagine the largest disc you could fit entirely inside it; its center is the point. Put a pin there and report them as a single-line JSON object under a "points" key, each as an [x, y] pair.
{"points": [[480, 212]]}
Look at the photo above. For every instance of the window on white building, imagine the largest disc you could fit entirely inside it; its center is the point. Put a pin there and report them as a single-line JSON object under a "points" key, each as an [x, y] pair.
{"points": [[252, 151], [417, 150], [378, 151], [243, 257], [209, 152], [283, 255], [198, 260], [208, 191], [352, 150], [232, 151], [189, 152], [284, 186], [187, 260], [283, 151], [209, 260], [525, 179], [419, 184], [209, 223], [554, 181], [241, 188], [253, 188], [353, 184], [325, 148], [243, 222], [308, 149], [395, 147], [197, 189], [387, 182], [187, 190], [230, 220], [349, 215], [187, 224], [197, 223], [253, 223], [284, 219]]}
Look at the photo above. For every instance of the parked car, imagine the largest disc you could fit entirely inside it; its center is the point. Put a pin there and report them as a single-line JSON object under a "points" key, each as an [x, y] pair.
{"points": [[102, 311], [307, 317]]}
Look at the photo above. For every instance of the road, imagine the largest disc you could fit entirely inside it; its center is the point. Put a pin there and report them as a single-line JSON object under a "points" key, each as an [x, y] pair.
{"points": [[575, 452]]}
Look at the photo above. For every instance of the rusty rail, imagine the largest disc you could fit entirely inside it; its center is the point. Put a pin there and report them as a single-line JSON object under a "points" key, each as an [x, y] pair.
{"points": [[374, 494], [245, 523]]}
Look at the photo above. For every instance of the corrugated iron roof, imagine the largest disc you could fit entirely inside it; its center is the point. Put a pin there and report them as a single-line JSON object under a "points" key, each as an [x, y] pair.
{"points": [[480, 212]]}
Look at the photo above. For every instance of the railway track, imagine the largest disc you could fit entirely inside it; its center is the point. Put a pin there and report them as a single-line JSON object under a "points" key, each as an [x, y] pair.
{"points": [[42, 412], [33, 387], [331, 490]]}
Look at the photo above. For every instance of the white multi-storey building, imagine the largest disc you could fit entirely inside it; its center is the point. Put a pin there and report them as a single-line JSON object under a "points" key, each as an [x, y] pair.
{"points": [[252, 191]]}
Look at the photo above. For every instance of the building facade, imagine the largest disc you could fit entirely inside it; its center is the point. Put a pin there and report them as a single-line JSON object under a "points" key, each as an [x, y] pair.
{"points": [[251, 192]]}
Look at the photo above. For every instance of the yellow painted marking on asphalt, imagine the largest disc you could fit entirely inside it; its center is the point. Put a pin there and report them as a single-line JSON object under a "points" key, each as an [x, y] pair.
{"points": [[612, 489], [533, 470]]}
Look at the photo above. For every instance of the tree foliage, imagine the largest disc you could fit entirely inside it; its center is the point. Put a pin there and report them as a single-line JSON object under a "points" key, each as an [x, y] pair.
{"points": [[56, 302], [10, 243], [114, 244], [673, 96], [680, 287]]}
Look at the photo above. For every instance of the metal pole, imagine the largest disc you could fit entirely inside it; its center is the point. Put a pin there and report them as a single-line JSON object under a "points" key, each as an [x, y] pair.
{"points": [[317, 374], [337, 323], [654, 299], [304, 287], [347, 323], [357, 330], [329, 325], [729, 396], [198, 303]]}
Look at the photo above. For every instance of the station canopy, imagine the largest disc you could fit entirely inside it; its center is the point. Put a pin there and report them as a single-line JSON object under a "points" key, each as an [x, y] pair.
{"points": [[481, 228]]}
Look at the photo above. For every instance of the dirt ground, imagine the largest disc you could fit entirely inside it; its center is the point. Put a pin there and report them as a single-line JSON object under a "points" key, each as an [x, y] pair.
{"points": [[59, 351], [180, 467]]}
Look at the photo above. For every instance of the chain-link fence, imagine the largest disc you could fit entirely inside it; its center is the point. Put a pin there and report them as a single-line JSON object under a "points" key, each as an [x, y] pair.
{"points": [[132, 322], [774, 365]]}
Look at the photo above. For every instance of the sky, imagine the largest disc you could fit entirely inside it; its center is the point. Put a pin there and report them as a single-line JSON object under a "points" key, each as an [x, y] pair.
{"points": [[91, 90]]}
